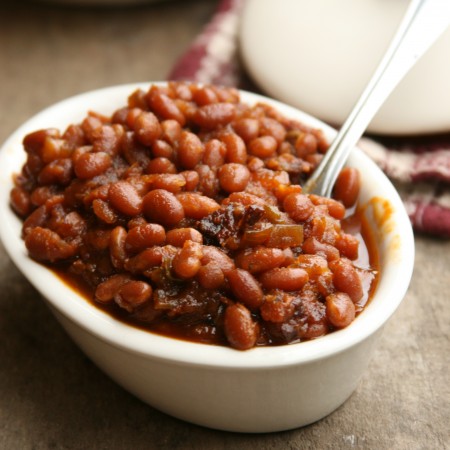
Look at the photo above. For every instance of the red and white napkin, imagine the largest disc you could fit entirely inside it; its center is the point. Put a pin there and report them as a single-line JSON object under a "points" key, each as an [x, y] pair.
{"points": [[418, 167]]}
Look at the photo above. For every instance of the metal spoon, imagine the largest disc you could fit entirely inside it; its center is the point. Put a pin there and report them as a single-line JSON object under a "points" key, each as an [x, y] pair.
{"points": [[423, 23]]}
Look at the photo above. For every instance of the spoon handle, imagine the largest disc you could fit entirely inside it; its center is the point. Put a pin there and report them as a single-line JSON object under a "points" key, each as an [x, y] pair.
{"points": [[423, 22]]}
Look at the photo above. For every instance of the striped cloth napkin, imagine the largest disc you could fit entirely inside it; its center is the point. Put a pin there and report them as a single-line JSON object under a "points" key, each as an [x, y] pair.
{"points": [[418, 167]]}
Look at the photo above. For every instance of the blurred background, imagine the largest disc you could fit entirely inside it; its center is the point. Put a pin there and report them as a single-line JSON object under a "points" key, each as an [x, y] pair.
{"points": [[50, 50]]}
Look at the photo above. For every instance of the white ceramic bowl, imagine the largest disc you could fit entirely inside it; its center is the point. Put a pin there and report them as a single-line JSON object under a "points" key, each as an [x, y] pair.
{"points": [[318, 55], [259, 390]]}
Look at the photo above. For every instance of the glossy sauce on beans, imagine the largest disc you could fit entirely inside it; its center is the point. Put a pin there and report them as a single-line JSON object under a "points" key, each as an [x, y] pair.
{"points": [[183, 214]]}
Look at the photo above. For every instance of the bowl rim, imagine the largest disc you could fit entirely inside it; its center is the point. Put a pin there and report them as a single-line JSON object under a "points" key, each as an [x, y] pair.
{"points": [[392, 286]]}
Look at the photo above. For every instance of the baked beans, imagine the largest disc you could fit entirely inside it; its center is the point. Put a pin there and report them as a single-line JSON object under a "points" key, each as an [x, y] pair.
{"points": [[183, 213]]}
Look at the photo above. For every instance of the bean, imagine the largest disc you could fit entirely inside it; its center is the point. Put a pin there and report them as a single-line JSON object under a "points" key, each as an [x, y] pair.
{"points": [[285, 148], [98, 239], [170, 182], [284, 278], [260, 259], [178, 236], [155, 89], [236, 148], [348, 246], [147, 128], [215, 152], [215, 255], [346, 279], [208, 183], [190, 150], [89, 125], [41, 194], [132, 115], [145, 260], [244, 199], [233, 177], [271, 127], [240, 329], [46, 245], [324, 227], [347, 186], [57, 172], [137, 99], [67, 224], [314, 247], [288, 163], [105, 291], [192, 179], [254, 164], [55, 202], [136, 222], [36, 219], [163, 106], [186, 262], [321, 140], [226, 94], [33, 142], [181, 90], [340, 309], [305, 144], [210, 276], [90, 165], [162, 149], [247, 128], [214, 115], [20, 201], [107, 139], [161, 165], [143, 236], [298, 206], [204, 96], [271, 179], [120, 115], [103, 211], [283, 190], [171, 132], [54, 148], [125, 198], [197, 206], [33, 165], [245, 288], [117, 247], [161, 206], [335, 208], [263, 146], [133, 294], [187, 108]]}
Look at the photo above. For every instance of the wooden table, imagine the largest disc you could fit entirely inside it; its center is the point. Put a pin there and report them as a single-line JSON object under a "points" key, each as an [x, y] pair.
{"points": [[53, 397]]}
